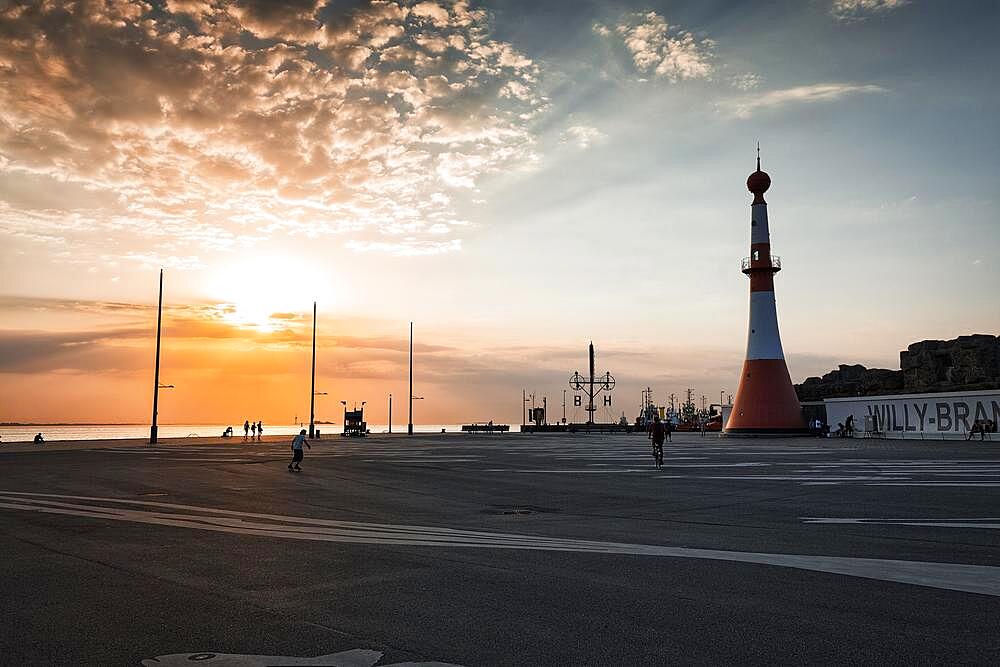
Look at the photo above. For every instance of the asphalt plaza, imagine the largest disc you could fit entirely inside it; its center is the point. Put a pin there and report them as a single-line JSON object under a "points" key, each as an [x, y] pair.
{"points": [[514, 549]]}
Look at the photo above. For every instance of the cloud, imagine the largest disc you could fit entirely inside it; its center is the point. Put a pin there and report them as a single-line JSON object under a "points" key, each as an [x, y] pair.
{"points": [[407, 247], [220, 371], [662, 50], [860, 10], [48, 351], [746, 106], [288, 19], [211, 126], [745, 81], [194, 329], [583, 136]]}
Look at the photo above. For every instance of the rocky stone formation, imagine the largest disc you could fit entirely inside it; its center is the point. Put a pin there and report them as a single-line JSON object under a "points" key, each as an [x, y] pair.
{"points": [[853, 380], [966, 363]]}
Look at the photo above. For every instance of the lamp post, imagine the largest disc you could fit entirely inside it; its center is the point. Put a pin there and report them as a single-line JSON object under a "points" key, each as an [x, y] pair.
{"points": [[311, 424], [312, 397], [156, 371], [409, 424], [160, 386], [524, 409], [390, 414], [413, 398]]}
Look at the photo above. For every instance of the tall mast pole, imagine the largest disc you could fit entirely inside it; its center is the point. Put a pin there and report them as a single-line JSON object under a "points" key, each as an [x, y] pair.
{"points": [[409, 425], [590, 405], [156, 372], [312, 390], [390, 413]]}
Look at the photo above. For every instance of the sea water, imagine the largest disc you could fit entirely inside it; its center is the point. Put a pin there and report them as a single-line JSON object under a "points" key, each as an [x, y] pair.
{"points": [[128, 431]]}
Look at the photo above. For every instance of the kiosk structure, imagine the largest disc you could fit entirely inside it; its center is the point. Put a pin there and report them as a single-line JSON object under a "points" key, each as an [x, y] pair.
{"points": [[354, 422]]}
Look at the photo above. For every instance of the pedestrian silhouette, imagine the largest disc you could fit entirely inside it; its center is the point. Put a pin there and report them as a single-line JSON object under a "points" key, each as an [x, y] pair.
{"points": [[297, 452], [260, 429], [246, 430]]}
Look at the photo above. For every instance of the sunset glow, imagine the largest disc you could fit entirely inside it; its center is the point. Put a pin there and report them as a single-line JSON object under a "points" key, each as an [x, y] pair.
{"points": [[260, 298], [515, 178]]}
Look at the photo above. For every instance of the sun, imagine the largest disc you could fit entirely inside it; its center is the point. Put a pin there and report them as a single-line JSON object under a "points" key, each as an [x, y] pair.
{"points": [[259, 290]]}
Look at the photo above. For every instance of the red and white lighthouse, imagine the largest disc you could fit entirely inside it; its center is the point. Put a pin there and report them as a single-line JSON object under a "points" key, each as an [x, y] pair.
{"points": [[765, 401]]}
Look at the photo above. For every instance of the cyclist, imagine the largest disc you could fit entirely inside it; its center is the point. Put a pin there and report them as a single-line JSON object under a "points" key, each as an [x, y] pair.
{"points": [[657, 433]]}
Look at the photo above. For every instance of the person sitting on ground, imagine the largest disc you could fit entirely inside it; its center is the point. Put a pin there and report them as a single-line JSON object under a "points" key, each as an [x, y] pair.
{"points": [[977, 427], [840, 430], [39, 440]]}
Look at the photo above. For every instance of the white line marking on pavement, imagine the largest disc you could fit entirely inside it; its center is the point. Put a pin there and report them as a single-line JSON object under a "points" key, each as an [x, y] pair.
{"points": [[960, 484], [933, 523], [572, 471], [982, 579], [355, 658]]}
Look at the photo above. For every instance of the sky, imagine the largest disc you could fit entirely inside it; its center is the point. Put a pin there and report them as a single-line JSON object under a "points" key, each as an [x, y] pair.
{"points": [[516, 178]]}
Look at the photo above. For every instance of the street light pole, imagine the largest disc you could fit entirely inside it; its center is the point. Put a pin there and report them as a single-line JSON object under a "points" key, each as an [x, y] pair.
{"points": [[156, 372], [390, 414], [312, 391], [409, 424]]}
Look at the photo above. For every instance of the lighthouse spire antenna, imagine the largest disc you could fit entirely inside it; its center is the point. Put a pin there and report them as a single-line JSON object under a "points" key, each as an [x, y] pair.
{"points": [[758, 156]]}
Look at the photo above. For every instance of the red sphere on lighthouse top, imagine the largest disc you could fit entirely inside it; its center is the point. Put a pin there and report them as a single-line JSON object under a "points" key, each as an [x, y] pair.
{"points": [[758, 182]]}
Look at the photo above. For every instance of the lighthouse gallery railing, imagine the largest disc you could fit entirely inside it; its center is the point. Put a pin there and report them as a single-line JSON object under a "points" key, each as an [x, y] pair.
{"points": [[773, 262]]}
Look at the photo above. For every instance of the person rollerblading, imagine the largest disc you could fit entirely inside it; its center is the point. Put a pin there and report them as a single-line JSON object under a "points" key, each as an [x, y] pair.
{"points": [[297, 452]]}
